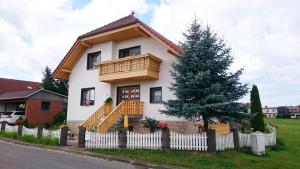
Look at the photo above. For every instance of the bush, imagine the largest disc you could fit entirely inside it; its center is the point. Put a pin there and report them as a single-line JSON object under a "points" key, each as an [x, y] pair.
{"points": [[60, 118], [28, 138], [151, 124], [9, 134], [47, 140]]}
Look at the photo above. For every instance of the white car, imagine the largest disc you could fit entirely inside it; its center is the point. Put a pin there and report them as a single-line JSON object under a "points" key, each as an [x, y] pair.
{"points": [[14, 116], [4, 115]]}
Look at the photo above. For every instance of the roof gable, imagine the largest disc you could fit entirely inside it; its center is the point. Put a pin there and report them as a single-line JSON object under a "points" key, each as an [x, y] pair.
{"points": [[126, 27]]}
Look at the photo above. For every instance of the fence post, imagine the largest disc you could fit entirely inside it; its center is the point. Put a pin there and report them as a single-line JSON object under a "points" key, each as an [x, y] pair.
{"points": [[122, 138], [81, 137], [40, 132], [3, 124], [63, 136], [211, 141], [165, 138], [236, 138], [20, 129]]}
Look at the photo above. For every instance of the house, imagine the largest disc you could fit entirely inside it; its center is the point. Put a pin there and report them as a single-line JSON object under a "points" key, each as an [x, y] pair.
{"points": [[270, 111], [128, 61], [40, 105]]}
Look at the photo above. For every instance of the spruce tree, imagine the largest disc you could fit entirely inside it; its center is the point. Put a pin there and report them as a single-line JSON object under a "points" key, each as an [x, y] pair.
{"points": [[48, 81], [54, 85], [257, 121], [202, 83]]}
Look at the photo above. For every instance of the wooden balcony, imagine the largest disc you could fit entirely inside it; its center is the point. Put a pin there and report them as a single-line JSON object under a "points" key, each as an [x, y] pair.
{"points": [[141, 67]]}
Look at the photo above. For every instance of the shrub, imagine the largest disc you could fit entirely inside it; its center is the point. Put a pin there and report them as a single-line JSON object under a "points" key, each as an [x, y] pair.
{"points": [[48, 140], [9, 134], [60, 118], [28, 138], [151, 124]]}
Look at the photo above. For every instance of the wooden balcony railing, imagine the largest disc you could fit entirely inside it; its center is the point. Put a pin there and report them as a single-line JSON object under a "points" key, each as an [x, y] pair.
{"points": [[141, 67], [131, 108], [97, 117]]}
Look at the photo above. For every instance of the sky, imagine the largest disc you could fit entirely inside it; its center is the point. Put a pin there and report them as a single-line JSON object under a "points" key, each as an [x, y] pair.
{"points": [[264, 35]]}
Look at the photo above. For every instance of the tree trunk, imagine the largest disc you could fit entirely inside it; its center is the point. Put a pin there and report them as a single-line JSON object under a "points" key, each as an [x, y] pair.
{"points": [[205, 120]]}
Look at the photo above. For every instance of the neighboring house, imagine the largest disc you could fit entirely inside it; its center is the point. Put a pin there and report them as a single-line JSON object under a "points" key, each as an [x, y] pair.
{"points": [[270, 111], [40, 105], [127, 61]]}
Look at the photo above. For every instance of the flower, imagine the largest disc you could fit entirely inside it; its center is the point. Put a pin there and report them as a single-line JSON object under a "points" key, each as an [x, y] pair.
{"points": [[162, 125]]}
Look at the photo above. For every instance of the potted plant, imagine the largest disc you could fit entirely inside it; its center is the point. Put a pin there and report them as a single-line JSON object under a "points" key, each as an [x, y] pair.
{"points": [[108, 100]]}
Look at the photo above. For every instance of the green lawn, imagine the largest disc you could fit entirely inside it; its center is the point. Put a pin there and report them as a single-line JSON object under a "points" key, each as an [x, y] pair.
{"points": [[288, 131]]}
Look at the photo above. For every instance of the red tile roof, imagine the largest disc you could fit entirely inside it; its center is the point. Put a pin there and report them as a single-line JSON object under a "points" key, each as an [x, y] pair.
{"points": [[128, 20], [11, 85]]}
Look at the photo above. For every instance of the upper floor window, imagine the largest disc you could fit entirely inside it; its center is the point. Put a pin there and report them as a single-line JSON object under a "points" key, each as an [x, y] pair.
{"points": [[92, 58], [155, 95], [87, 96], [133, 51], [45, 106]]}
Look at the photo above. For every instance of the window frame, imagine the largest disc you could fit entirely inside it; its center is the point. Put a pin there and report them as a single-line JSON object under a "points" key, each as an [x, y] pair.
{"points": [[81, 96], [152, 90], [49, 105], [90, 55], [130, 51]]}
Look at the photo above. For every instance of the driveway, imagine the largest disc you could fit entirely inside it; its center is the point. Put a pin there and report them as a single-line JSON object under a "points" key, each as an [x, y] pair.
{"points": [[14, 156]]}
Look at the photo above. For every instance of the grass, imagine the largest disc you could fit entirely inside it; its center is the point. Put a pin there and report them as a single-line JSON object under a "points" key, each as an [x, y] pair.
{"points": [[283, 155], [45, 140]]}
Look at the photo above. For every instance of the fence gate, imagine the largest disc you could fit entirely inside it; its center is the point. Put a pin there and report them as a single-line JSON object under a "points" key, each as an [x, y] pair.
{"points": [[144, 140], [101, 140]]}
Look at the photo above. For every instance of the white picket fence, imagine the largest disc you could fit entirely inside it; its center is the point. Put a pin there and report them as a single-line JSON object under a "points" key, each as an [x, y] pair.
{"points": [[52, 133], [224, 142], [188, 141], [28, 131], [101, 140], [144, 140], [11, 128]]}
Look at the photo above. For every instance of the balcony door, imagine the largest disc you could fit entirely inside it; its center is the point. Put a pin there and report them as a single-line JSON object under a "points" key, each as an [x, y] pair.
{"points": [[128, 93]]}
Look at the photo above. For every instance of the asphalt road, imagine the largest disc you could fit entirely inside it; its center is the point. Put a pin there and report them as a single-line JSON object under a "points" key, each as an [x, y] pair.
{"points": [[14, 156]]}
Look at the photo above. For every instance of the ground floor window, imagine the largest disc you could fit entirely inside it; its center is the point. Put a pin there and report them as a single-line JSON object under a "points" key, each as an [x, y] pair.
{"points": [[155, 95], [45, 106], [87, 96]]}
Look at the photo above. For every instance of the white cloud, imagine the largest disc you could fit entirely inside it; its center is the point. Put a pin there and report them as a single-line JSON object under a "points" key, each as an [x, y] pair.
{"points": [[38, 33], [264, 35]]}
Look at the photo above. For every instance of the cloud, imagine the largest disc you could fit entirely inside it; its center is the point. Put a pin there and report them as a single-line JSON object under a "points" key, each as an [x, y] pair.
{"points": [[38, 33], [264, 36]]}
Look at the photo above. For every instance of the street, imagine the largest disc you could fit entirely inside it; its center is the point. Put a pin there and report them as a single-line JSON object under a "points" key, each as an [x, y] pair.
{"points": [[14, 156]]}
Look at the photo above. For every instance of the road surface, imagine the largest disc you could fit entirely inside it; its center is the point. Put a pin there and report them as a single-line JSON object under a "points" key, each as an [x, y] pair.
{"points": [[14, 156]]}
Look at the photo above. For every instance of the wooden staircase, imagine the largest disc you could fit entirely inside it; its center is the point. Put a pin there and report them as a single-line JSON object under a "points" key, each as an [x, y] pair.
{"points": [[92, 122], [103, 121]]}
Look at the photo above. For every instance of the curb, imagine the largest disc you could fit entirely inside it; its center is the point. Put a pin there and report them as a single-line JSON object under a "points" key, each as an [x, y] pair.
{"points": [[83, 152]]}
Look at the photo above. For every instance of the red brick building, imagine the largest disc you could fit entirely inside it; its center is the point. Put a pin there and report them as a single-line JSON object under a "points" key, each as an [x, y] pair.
{"points": [[40, 105]]}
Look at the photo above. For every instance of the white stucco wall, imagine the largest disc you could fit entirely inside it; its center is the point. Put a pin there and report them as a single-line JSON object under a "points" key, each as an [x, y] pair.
{"points": [[83, 78]]}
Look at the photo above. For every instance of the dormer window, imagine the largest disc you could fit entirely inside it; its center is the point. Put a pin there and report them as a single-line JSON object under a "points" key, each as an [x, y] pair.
{"points": [[93, 58], [132, 51]]}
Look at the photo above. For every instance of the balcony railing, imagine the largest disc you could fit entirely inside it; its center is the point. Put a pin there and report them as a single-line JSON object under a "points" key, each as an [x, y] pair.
{"points": [[141, 67]]}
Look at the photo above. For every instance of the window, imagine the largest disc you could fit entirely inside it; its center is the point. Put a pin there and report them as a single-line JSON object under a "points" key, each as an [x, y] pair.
{"points": [[155, 95], [87, 96], [45, 106], [133, 51], [92, 58]]}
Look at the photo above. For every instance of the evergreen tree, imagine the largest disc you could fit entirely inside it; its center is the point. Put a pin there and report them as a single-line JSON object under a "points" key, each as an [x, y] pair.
{"points": [[255, 107], [48, 81], [202, 84], [54, 85]]}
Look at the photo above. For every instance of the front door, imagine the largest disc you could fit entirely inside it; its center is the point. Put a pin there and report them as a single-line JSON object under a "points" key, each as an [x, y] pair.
{"points": [[128, 93]]}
